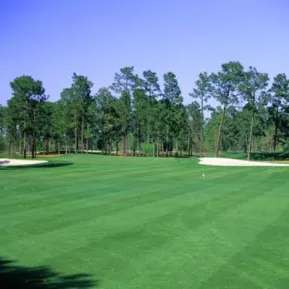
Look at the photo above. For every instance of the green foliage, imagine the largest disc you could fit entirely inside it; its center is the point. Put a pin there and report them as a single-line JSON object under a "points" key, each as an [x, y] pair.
{"points": [[107, 117], [253, 89], [138, 113], [24, 113], [151, 84], [203, 90], [124, 111], [172, 91], [226, 82], [125, 80], [202, 93], [278, 110]]}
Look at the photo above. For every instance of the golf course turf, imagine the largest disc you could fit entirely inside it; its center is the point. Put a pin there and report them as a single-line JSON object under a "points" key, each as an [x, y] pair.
{"points": [[135, 223]]}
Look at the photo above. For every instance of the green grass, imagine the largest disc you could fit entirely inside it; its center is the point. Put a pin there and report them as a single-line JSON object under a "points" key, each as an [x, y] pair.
{"points": [[135, 223]]}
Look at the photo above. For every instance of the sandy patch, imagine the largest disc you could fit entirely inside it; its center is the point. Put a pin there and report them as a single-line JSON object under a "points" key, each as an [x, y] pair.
{"points": [[12, 162], [237, 163]]}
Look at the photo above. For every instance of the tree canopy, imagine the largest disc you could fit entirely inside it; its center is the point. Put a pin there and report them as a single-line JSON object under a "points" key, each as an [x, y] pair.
{"points": [[232, 109]]}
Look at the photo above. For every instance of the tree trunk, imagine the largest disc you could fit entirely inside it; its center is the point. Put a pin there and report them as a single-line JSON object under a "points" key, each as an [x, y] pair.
{"points": [[24, 145], [49, 145], [177, 147], [139, 147], [167, 141], [220, 132], [123, 145], [276, 130], [250, 138], [34, 136], [10, 148], [82, 129], [75, 139], [66, 147], [58, 146], [109, 148], [34, 146], [135, 145], [86, 146], [158, 142], [202, 127], [270, 139], [190, 145], [20, 144], [46, 146]]}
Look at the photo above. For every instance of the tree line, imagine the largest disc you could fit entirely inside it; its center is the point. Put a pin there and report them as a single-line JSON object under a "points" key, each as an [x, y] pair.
{"points": [[136, 116]]}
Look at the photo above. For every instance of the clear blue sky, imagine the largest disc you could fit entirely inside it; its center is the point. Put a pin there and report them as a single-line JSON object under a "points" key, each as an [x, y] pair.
{"points": [[51, 39]]}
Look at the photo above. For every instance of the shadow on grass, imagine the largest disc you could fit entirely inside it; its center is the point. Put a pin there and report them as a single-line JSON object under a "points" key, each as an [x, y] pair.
{"points": [[257, 156], [270, 156], [41, 165], [13, 276]]}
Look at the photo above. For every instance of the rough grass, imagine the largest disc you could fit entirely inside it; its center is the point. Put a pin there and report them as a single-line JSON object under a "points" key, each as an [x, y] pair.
{"points": [[135, 223]]}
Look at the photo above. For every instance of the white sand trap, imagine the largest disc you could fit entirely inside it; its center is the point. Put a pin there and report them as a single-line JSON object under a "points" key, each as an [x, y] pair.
{"points": [[237, 163], [12, 162]]}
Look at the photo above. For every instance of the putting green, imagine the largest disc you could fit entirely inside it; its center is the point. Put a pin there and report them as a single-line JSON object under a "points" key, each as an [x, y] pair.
{"points": [[135, 223]]}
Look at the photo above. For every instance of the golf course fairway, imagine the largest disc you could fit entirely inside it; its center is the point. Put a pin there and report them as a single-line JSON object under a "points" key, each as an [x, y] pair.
{"points": [[136, 223]]}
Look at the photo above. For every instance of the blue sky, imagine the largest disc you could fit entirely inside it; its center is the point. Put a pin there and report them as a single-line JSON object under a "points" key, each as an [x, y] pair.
{"points": [[51, 39]]}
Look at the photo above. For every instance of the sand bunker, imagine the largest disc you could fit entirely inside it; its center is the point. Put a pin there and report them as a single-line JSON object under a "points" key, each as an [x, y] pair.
{"points": [[12, 162], [237, 163]]}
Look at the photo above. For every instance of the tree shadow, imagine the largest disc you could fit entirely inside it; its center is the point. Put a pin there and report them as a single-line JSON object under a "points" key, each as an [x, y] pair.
{"points": [[183, 157], [13, 276], [270, 156], [40, 165]]}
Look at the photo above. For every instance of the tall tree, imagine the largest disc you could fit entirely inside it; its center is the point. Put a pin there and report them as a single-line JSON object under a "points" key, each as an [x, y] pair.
{"points": [[153, 92], [279, 101], [91, 124], [28, 94], [124, 112], [202, 93], [141, 113], [78, 99], [253, 90], [151, 84], [58, 123], [124, 84], [13, 128], [172, 100], [71, 111], [82, 99], [107, 118], [195, 120], [125, 80], [68, 113], [45, 121], [225, 89]]}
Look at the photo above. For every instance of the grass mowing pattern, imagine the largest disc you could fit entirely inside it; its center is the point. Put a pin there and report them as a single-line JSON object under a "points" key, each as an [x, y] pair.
{"points": [[135, 223]]}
